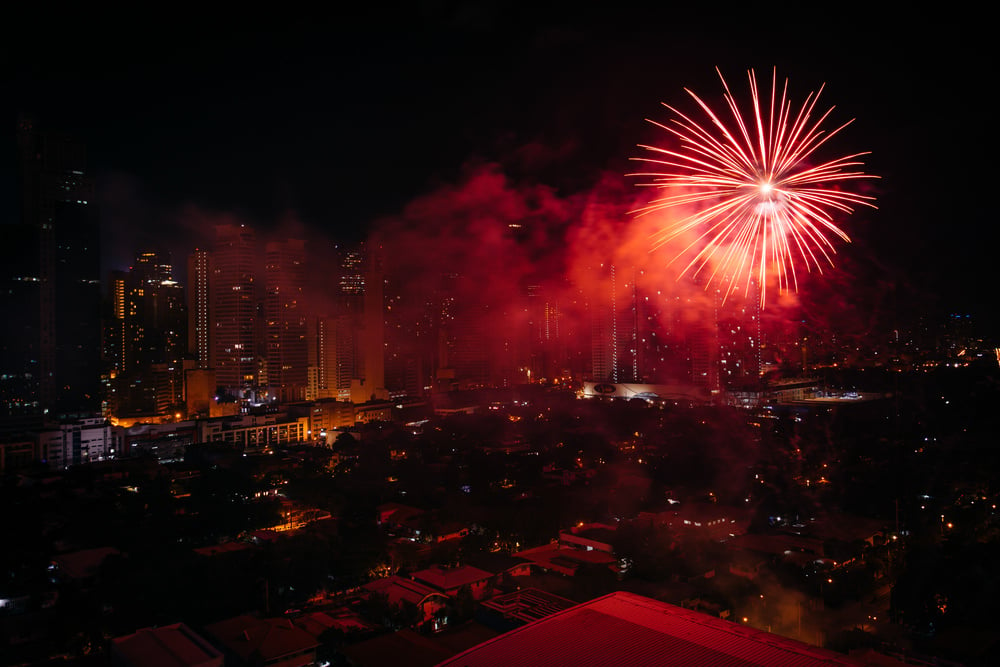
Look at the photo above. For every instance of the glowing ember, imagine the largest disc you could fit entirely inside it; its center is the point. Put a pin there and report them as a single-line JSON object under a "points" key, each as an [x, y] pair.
{"points": [[752, 193]]}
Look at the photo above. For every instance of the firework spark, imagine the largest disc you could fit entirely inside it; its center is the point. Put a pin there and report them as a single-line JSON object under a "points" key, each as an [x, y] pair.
{"points": [[761, 200]]}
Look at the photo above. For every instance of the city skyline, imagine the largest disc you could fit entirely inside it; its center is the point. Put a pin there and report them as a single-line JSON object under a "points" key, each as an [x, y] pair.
{"points": [[348, 326], [340, 130]]}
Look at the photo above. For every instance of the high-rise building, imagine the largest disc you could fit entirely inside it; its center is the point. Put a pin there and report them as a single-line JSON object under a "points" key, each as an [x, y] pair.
{"points": [[615, 328], [407, 334], [20, 297], [285, 318], [199, 307], [369, 379], [332, 357], [156, 321], [234, 307], [114, 345], [351, 280], [62, 328], [146, 338]]}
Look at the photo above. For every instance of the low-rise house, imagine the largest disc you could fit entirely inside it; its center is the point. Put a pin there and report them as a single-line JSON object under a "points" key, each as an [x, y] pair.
{"points": [[256, 642], [553, 558], [174, 645], [589, 537], [449, 580], [400, 591], [504, 568], [396, 517], [82, 566]]}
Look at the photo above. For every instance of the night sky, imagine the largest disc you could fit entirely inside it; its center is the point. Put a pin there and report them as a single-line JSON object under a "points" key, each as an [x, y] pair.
{"points": [[337, 122]]}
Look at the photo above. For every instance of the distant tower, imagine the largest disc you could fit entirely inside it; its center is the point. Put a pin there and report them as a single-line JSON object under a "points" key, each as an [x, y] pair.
{"points": [[199, 307], [739, 340], [351, 281], [285, 318], [324, 348], [703, 346], [155, 318], [373, 337], [114, 332], [146, 338], [614, 314], [57, 205], [234, 307]]}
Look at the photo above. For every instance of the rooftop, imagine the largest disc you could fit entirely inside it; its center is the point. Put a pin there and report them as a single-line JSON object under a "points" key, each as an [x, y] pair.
{"points": [[399, 588], [447, 578], [626, 629], [167, 646], [270, 638]]}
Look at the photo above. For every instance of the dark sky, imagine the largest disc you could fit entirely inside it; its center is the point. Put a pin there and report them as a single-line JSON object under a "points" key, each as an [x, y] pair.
{"points": [[340, 120]]}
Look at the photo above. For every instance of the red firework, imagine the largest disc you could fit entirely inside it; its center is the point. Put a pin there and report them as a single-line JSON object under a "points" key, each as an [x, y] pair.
{"points": [[752, 191]]}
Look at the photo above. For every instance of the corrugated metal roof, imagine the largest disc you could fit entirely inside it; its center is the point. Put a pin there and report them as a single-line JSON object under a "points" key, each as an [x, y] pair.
{"points": [[444, 578], [625, 629]]}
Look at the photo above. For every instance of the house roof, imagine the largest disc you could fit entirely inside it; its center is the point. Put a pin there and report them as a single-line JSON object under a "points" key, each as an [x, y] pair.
{"points": [[270, 638], [341, 618], [495, 562], [83, 564], [551, 557], [626, 629], [167, 646], [388, 649], [397, 513], [448, 578], [399, 589]]}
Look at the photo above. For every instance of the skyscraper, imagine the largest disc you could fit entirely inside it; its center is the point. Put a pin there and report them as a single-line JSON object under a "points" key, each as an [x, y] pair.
{"points": [[156, 321], [285, 318], [199, 307], [20, 297], [64, 328], [372, 338], [615, 328], [145, 340], [234, 307]]}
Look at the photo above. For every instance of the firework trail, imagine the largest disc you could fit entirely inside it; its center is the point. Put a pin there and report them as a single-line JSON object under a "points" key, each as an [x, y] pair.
{"points": [[761, 201]]}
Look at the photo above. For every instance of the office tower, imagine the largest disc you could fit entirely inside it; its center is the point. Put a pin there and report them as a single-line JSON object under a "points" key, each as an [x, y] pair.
{"points": [[20, 295], [361, 319], [156, 321], [703, 346], [540, 352], [146, 338], [285, 318], [464, 358], [199, 307], [234, 307], [373, 338], [114, 346], [470, 346], [64, 325], [614, 313], [739, 351], [664, 353], [406, 336], [332, 354], [351, 278]]}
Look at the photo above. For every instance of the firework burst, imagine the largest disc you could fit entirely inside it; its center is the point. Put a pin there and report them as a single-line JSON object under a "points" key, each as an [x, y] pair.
{"points": [[754, 197]]}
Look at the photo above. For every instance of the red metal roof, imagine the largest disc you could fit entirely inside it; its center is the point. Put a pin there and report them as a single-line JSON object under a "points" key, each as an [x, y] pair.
{"points": [[625, 629], [167, 646], [447, 578], [268, 638]]}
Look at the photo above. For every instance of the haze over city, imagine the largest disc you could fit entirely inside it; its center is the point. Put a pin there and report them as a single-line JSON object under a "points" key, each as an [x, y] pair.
{"points": [[348, 329]]}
